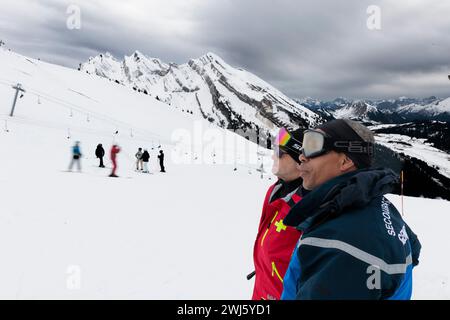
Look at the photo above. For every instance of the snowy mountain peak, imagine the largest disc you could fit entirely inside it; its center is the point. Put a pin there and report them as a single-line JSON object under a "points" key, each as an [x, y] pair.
{"points": [[358, 109], [211, 61], [210, 87], [103, 65], [438, 107], [105, 57], [138, 65], [212, 56], [428, 108], [138, 54]]}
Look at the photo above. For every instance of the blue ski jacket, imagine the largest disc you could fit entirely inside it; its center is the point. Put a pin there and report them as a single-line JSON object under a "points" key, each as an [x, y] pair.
{"points": [[355, 244], [76, 150]]}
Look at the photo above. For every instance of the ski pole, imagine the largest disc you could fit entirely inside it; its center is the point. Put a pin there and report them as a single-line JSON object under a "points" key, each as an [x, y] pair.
{"points": [[251, 275]]}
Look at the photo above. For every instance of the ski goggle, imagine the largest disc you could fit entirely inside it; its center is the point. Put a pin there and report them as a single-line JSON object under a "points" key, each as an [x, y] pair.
{"points": [[285, 140], [317, 143]]}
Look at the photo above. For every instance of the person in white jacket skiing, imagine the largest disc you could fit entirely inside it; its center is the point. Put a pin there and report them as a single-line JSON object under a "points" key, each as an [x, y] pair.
{"points": [[139, 162]]}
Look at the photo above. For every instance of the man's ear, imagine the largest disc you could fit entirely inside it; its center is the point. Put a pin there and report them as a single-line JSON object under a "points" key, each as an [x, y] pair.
{"points": [[346, 164]]}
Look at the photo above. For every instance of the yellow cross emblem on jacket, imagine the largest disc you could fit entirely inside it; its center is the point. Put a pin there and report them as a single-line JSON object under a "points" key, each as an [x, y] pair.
{"points": [[280, 226]]}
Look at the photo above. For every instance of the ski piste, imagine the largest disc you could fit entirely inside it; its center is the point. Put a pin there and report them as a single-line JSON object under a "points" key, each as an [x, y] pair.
{"points": [[143, 172], [95, 175]]}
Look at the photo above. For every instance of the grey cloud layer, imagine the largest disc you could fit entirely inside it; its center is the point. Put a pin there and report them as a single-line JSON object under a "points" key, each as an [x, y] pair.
{"points": [[316, 48]]}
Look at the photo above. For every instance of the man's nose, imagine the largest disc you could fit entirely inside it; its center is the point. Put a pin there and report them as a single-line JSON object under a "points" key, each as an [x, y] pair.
{"points": [[302, 158]]}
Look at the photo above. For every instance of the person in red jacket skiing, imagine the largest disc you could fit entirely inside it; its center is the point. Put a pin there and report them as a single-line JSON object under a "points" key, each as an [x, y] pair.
{"points": [[114, 151], [275, 242]]}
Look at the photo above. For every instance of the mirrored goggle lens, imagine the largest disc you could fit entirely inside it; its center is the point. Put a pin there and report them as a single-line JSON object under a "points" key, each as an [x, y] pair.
{"points": [[283, 137], [313, 143], [286, 141]]}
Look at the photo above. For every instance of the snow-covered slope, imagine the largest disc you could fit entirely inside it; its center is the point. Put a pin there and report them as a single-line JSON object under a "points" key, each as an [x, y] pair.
{"points": [[428, 218], [359, 110], [439, 109], [231, 97], [369, 112], [186, 234], [417, 148]]}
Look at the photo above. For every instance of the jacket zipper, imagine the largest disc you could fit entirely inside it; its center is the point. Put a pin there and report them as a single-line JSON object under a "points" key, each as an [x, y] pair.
{"points": [[274, 270], [268, 227]]}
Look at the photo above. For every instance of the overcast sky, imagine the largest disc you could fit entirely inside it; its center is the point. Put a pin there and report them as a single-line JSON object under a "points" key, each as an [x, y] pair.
{"points": [[318, 48]]}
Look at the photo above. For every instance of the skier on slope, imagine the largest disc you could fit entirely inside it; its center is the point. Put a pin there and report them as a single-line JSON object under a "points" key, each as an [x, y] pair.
{"points": [[275, 242], [138, 155], [114, 151], [161, 160], [355, 244], [100, 153], [76, 156], [145, 158], [269, 141]]}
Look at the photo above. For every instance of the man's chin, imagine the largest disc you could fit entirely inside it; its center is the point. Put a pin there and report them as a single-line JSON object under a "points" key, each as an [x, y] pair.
{"points": [[275, 170], [306, 185]]}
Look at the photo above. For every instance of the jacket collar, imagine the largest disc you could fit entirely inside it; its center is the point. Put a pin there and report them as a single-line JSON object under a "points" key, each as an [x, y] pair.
{"points": [[348, 191], [288, 189]]}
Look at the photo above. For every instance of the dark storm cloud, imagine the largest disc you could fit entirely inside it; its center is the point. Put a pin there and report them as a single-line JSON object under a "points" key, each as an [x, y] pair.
{"points": [[319, 48]]}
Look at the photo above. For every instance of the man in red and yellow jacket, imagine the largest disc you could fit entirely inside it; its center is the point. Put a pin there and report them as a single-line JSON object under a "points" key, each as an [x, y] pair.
{"points": [[275, 242]]}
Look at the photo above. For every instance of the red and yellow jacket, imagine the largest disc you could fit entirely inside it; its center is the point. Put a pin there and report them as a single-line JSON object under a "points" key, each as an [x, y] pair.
{"points": [[274, 244]]}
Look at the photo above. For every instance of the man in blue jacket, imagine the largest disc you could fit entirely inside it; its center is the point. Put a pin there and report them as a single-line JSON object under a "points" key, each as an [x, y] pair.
{"points": [[355, 244], [76, 156]]}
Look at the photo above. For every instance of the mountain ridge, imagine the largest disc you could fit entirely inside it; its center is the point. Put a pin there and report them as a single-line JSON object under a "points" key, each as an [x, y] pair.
{"points": [[231, 97]]}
